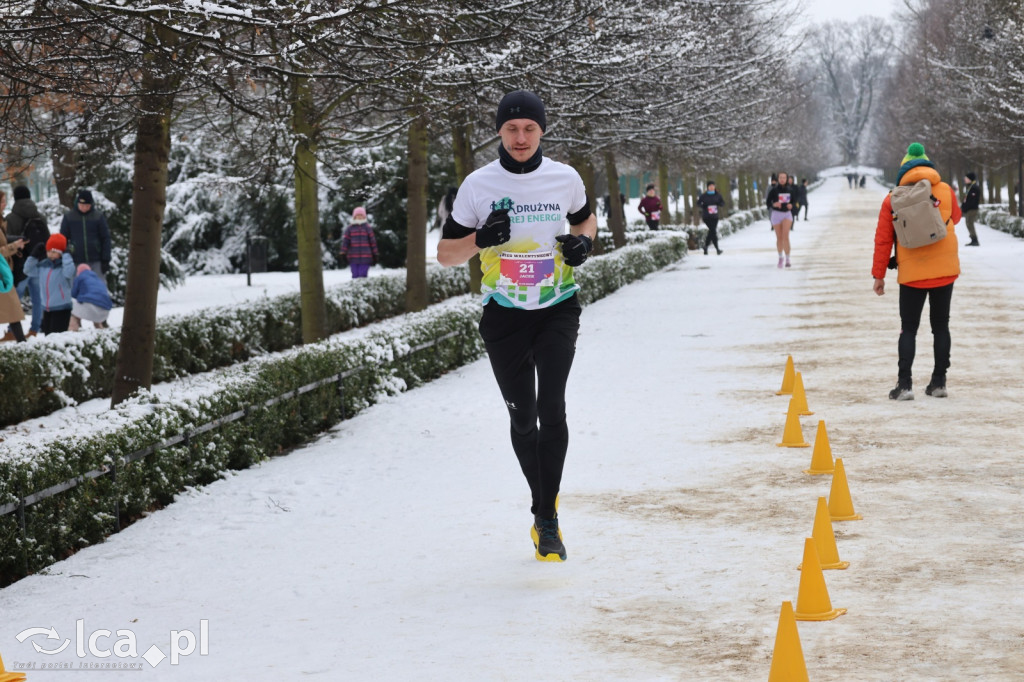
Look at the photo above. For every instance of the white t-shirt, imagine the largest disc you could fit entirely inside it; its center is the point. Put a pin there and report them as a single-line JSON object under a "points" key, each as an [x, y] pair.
{"points": [[527, 271]]}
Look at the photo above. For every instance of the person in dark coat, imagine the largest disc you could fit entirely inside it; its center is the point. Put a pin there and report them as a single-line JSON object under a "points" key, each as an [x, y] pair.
{"points": [[710, 202], [969, 206], [803, 197], [26, 221], [88, 235]]}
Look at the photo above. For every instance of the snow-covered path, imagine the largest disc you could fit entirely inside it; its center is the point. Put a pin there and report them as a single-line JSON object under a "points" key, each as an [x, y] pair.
{"points": [[397, 548]]}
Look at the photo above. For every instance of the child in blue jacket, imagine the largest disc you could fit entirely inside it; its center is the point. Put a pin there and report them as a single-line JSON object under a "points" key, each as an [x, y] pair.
{"points": [[55, 269], [89, 299]]}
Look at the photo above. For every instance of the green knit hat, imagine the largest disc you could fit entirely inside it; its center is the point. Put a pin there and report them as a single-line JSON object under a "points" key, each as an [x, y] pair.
{"points": [[914, 152]]}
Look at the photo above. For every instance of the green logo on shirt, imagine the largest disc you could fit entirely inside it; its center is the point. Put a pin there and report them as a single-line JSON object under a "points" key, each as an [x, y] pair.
{"points": [[505, 203]]}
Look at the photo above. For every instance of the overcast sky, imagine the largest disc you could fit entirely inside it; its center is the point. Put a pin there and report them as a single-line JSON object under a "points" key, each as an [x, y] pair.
{"points": [[819, 11]]}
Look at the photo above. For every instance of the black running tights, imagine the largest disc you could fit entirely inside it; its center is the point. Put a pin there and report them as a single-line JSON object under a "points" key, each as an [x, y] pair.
{"points": [[712, 235], [531, 353]]}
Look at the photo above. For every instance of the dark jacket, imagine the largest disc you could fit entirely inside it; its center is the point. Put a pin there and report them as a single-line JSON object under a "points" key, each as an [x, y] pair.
{"points": [[89, 288], [707, 200], [970, 203], [88, 236], [27, 222], [774, 195], [801, 194]]}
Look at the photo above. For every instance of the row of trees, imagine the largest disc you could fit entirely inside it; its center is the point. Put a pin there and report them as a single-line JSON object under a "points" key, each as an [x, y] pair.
{"points": [[317, 90], [957, 84]]}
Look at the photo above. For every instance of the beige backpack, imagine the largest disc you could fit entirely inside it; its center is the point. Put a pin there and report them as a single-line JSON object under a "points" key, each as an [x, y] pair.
{"points": [[916, 215]]}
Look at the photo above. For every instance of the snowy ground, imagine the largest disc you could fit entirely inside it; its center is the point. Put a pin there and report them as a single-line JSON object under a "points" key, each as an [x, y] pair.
{"points": [[396, 547]]}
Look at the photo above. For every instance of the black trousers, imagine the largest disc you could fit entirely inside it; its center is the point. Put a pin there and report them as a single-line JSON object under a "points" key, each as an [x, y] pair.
{"points": [[531, 353], [652, 224], [712, 236], [911, 306], [55, 321]]}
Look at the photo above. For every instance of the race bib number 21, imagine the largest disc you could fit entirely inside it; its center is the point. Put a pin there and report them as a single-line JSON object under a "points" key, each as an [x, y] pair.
{"points": [[527, 269]]}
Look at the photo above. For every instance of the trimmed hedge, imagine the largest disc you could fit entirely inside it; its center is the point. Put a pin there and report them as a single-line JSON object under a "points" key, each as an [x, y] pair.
{"points": [[48, 374], [60, 525], [695, 233], [996, 217], [85, 514]]}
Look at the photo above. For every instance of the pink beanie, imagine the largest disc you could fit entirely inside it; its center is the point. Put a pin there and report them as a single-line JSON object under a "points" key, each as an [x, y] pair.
{"points": [[82, 268], [358, 212]]}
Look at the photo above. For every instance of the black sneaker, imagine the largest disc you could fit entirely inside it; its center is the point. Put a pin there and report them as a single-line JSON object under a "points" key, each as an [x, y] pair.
{"points": [[936, 391], [901, 392], [547, 539]]}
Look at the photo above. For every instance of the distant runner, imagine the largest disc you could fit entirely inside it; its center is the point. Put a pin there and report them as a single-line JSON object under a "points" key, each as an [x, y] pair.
{"points": [[780, 202], [710, 202]]}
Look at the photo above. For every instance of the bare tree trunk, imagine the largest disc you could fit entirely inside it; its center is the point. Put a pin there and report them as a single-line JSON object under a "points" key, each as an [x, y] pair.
{"points": [[663, 188], [134, 368], [691, 200], [462, 145], [744, 183], [307, 214], [1020, 180], [616, 213], [726, 191], [585, 167], [416, 290], [63, 159]]}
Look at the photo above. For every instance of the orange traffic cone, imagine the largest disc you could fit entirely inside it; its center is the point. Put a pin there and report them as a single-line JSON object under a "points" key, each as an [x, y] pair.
{"points": [[825, 539], [812, 602], [821, 458], [792, 436], [840, 506], [788, 657], [787, 378], [799, 397], [9, 677]]}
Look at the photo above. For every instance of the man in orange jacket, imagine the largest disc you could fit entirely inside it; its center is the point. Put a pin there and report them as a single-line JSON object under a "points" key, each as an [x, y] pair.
{"points": [[926, 272]]}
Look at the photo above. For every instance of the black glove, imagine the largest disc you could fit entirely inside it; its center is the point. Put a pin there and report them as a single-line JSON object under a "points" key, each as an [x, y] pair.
{"points": [[375, 259], [575, 248], [343, 260], [497, 229], [39, 252]]}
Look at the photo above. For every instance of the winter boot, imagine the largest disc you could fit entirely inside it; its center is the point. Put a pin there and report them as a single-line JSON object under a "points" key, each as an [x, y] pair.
{"points": [[902, 391]]}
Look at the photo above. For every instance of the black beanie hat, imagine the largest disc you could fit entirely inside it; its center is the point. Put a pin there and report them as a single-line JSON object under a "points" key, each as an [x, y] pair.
{"points": [[84, 195], [971, 176], [520, 104], [21, 192]]}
